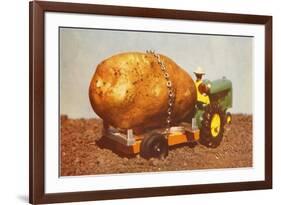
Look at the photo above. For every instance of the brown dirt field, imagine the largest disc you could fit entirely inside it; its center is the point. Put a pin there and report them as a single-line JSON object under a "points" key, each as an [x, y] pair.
{"points": [[83, 153]]}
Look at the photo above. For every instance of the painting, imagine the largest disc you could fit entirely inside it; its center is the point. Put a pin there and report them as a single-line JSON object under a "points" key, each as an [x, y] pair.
{"points": [[147, 101], [130, 102]]}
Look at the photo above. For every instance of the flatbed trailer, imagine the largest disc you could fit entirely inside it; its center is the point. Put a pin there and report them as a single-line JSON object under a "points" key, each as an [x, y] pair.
{"points": [[150, 144]]}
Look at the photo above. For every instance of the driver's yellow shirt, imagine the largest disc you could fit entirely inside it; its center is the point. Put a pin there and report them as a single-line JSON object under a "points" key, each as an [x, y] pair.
{"points": [[204, 98]]}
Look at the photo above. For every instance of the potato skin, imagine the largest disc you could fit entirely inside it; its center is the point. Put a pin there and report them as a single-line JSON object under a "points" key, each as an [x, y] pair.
{"points": [[128, 90]]}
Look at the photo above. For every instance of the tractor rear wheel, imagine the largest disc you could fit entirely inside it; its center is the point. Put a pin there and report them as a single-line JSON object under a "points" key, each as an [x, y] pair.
{"points": [[155, 145], [212, 129]]}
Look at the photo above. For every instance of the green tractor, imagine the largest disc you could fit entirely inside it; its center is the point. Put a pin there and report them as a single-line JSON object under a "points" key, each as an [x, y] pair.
{"points": [[211, 111]]}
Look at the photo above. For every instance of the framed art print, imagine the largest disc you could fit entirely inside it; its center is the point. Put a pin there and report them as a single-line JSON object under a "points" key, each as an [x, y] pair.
{"points": [[138, 102]]}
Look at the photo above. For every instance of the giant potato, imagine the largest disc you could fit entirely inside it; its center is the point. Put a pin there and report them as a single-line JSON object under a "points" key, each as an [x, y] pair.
{"points": [[128, 90]]}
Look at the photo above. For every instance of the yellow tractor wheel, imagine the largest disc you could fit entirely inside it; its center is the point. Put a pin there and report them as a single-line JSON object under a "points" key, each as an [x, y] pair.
{"points": [[228, 118], [212, 129], [215, 125]]}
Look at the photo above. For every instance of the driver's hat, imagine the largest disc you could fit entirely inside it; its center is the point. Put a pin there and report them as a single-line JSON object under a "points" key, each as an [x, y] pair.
{"points": [[199, 70]]}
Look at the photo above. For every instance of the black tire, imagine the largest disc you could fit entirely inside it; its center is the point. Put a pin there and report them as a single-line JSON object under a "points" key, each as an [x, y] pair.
{"points": [[212, 136], [155, 145]]}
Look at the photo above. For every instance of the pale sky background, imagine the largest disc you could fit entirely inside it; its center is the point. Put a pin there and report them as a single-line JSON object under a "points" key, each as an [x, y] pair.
{"points": [[81, 50]]}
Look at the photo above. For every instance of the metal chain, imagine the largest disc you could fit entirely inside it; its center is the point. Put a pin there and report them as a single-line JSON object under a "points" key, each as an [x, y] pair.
{"points": [[169, 84]]}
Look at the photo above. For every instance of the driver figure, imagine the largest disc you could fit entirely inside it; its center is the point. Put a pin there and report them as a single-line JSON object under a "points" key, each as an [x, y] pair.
{"points": [[201, 88]]}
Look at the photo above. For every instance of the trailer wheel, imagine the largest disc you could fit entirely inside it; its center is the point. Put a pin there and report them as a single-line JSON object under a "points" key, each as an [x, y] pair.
{"points": [[212, 129], [155, 145]]}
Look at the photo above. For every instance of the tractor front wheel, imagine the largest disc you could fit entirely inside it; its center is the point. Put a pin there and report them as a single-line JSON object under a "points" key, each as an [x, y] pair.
{"points": [[212, 129], [228, 118]]}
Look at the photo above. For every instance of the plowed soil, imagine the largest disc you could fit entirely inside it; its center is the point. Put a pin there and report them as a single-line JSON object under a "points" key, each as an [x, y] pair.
{"points": [[84, 153]]}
